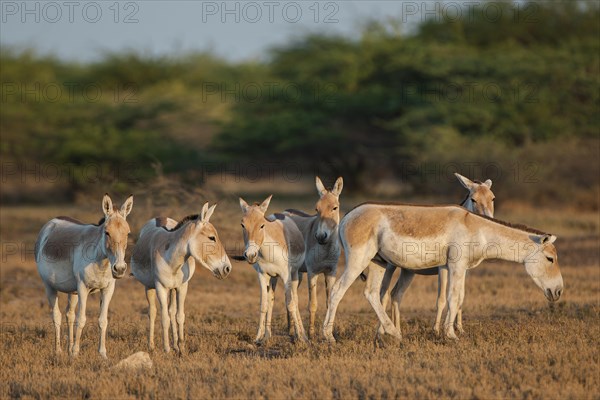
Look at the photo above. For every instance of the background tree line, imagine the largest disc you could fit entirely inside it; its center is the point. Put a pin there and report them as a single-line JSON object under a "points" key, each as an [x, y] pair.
{"points": [[521, 93]]}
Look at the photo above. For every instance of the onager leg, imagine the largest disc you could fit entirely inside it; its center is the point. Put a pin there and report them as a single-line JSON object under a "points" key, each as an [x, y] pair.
{"points": [[329, 282], [181, 294], [373, 294], [295, 284], [264, 307], [312, 302], [271, 298], [355, 264], [105, 296], [404, 281], [458, 322], [82, 292], [385, 283], [151, 297], [291, 301], [441, 298], [73, 300], [173, 317], [456, 284], [56, 316], [163, 299]]}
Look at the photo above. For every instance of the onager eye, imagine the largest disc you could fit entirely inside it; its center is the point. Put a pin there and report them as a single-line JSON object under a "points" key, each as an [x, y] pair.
{"points": [[214, 239], [473, 200], [262, 226], [550, 259], [243, 226], [107, 234], [335, 208]]}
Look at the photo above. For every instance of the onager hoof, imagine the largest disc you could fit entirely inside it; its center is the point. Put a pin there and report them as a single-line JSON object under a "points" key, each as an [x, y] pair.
{"points": [[301, 338], [260, 341], [451, 335], [328, 336], [391, 331], [460, 329], [378, 341]]}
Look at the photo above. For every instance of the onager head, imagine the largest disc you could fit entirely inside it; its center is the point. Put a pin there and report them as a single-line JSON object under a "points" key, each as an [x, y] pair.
{"points": [[114, 236], [328, 210], [253, 227], [542, 266], [481, 198], [206, 247]]}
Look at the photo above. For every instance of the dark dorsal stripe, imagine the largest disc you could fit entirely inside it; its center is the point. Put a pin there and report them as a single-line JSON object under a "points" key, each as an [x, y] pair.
{"points": [[78, 222], [397, 203], [187, 219], [299, 213], [520, 227]]}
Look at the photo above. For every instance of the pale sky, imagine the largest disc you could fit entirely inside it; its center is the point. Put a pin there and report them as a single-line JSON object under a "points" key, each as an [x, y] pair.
{"points": [[237, 30]]}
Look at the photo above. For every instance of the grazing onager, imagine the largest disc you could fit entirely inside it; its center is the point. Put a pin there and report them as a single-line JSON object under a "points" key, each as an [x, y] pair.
{"points": [[79, 259], [479, 200], [421, 237], [164, 260], [275, 247], [321, 241]]}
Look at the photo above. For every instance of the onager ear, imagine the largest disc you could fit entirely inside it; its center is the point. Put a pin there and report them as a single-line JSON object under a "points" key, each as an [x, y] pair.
{"points": [[243, 205], [548, 239], [338, 186], [265, 204], [543, 239], [320, 187], [207, 212], [107, 205], [466, 182], [488, 183], [127, 206]]}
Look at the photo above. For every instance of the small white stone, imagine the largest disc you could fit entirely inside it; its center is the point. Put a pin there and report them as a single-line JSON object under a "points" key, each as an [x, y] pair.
{"points": [[138, 361]]}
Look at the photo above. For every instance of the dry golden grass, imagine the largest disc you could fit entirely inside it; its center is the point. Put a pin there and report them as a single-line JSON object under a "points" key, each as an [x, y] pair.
{"points": [[516, 345]]}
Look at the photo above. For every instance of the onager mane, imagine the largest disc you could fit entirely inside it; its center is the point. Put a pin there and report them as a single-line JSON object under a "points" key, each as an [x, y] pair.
{"points": [[193, 217], [462, 203], [298, 213]]}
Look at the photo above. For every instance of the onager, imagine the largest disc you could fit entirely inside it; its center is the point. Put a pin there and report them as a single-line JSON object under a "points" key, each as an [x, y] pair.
{"points": [[321, 242], [79, 259], [479, 200], [164, 260], [421, 237], [275, 248]]}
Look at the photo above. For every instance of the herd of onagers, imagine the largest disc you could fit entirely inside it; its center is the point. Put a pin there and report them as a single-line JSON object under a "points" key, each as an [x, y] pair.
{"points": [[445, 240]]}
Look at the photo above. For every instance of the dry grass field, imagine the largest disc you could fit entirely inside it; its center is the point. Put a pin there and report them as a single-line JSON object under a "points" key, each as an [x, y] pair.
{"points": [[516, 344]]}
